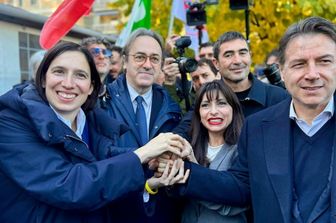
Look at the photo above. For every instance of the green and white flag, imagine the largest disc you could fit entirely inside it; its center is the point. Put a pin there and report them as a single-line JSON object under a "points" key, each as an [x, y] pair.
{"points": [[140, 17]]}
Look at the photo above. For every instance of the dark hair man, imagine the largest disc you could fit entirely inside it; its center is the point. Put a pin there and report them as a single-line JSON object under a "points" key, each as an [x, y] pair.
{"points": [[101, 53], [205, 72], [116, 65], [206, 51], [233, 60], [99, 49], [286, 162], [272, 57]]}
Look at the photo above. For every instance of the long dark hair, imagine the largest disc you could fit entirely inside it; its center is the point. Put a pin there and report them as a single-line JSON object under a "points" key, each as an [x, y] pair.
{"points": [[199, 133], [49, 58]]}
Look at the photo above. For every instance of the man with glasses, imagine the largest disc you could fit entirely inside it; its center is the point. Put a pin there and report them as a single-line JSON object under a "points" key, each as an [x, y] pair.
{"points": [[148, 110], [101, 53]]}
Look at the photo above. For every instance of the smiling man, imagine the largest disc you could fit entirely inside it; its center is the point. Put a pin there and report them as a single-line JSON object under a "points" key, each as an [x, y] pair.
{"points": [[99, 49], [101, 54], [286, 153], [148, 110], [233, 60]]}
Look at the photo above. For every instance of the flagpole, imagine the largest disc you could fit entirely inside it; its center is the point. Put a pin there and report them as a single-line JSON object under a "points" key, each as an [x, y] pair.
{"points": [[171, 21], [124, 34]]}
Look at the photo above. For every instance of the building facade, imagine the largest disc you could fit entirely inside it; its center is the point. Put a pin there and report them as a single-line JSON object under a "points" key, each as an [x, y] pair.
{"points": [[19, 39], [101, 18]]}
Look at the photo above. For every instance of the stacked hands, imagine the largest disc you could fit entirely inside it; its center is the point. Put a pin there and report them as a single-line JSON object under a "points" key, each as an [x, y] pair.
{"points": [[165, 154]]}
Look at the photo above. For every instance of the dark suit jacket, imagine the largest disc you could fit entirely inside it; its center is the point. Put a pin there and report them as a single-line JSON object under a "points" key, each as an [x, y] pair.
{"points": [[165, 115], [261, 174]]}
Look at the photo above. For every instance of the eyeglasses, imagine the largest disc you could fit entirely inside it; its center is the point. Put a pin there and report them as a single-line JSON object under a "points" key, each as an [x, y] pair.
{"points": [[141, 58], [96, 52]]}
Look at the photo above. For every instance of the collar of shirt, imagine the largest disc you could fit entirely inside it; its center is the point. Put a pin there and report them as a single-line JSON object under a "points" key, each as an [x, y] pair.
{"points": [[318, 121], [148, 96], [80, 120]]}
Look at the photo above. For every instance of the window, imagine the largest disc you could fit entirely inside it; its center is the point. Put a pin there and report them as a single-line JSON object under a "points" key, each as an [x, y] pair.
{"points": [[28, 45]]}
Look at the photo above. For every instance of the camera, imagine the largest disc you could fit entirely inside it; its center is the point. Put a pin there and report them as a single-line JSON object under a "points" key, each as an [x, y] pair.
{"points": [[196, 14], [272, 74], [186, 65]]}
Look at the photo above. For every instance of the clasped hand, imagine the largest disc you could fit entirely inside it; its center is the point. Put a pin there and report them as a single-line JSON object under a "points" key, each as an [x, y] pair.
{"points": [[169, 167]]}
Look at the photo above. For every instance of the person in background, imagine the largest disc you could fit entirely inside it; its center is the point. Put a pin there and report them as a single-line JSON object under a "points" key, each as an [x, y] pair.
{"points": [[215, 130], [116, 65], [272, 70], [172, 82], [56, 146], [101, 53], [172, 74], [99, 49], [272, 57], [259, 72], [233, 60], [205, 72], [34, 63], [206, 51]]}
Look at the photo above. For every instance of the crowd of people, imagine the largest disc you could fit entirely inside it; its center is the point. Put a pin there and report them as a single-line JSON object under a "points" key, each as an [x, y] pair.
{"points": [[103, 133]]}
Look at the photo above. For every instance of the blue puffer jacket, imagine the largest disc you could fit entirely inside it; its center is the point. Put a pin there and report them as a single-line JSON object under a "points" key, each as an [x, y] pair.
{"points": [[165, 115], [48, 174]]}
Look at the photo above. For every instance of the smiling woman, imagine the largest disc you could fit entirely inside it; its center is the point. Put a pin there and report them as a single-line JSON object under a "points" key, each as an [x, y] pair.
{"points": [[215, 128], [71, 66], [68, 84], [56, 146]]}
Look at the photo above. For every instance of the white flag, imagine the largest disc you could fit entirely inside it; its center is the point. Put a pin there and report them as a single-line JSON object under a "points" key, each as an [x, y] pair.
{"points": [[140, 17]]}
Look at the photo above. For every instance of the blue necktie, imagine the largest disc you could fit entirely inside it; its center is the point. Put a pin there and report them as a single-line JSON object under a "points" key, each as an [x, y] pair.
{"points": [[141, 120]]}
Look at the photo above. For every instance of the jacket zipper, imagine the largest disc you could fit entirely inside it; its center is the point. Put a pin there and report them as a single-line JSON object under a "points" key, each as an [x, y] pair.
{"points": [[78, 139]]}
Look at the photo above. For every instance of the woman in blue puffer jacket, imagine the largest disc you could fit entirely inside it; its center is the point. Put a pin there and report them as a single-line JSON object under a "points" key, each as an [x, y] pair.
{"points": [[56, 148]]}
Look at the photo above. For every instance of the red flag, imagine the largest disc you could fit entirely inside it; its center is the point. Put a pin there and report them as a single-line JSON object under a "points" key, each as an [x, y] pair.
{"points": [[62, 20]]}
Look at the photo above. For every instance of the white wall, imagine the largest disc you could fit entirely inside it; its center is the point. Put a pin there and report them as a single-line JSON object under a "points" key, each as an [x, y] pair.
{"points": [[10, 73], [9, 56]]}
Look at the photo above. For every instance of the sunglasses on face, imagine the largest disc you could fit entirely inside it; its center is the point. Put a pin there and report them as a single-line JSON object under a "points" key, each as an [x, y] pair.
{"points": [[97, 51]]}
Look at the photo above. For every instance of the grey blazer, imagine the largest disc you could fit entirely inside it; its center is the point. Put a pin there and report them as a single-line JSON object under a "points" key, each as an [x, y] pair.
{"points": [[205, 211]]}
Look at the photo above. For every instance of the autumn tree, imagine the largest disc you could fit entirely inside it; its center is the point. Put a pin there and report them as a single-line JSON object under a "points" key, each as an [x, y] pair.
{"points": [[268, 19]]}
